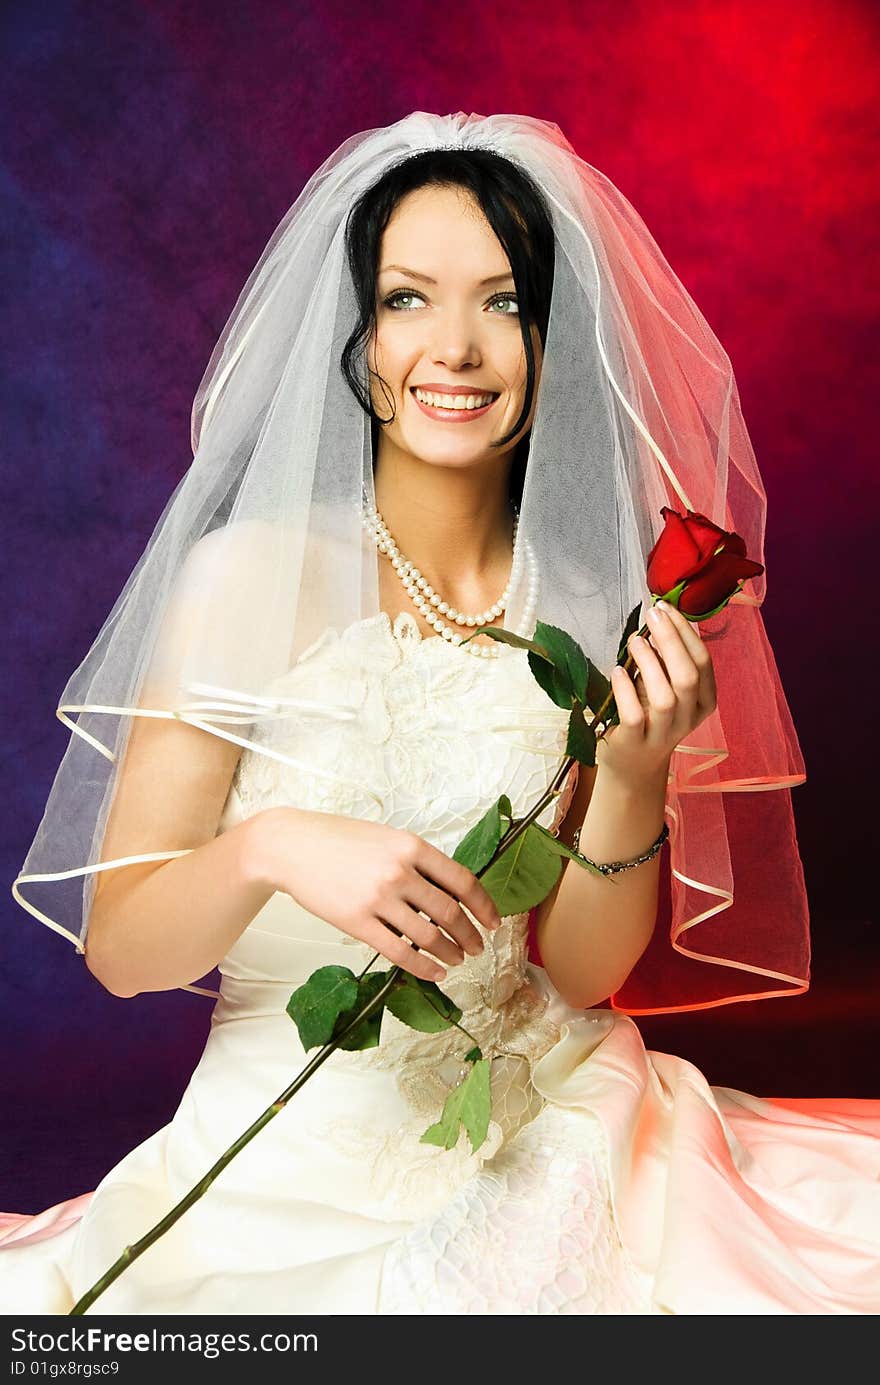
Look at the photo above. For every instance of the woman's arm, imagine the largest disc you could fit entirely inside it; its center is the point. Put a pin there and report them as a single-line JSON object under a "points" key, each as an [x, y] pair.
{"points": [[378, 884], [592, 930], [173, 922], [157, 925]]}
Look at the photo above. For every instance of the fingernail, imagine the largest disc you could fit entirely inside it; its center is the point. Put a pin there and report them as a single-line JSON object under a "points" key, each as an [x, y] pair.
{"points": [[438, 975], [655, 616]]}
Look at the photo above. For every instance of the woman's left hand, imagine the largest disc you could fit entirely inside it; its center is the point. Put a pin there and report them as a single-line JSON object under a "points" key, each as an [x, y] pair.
{"points": [[674, 692]]}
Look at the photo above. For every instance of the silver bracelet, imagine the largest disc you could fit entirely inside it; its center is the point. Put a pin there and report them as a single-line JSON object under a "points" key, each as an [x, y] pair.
{"points": [[614, 866]]}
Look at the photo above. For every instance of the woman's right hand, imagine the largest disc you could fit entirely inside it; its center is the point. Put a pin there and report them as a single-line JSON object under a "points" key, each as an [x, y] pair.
{"points": [[371, 881]]}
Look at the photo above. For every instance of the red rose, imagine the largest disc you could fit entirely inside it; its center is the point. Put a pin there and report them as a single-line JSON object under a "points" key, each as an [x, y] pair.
{"points": [[706, 562]]}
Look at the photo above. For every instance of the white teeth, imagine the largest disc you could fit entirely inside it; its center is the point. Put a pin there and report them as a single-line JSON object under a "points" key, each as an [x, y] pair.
{"points": [[453, 402]]}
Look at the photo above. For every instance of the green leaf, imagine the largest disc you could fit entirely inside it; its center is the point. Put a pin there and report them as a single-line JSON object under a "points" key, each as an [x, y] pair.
{"points": [[598, 690], [632, 624], [473, 1055], [478, 845], [508, 637], [611, 716], [581, 741], [365, 1034], [422, 1005], [566, 677], [524, 873], [469, 1105], [315, 1006], [561, 849]]}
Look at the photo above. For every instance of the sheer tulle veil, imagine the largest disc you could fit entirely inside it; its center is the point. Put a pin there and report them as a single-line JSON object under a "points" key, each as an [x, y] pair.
{"points": [[262, 545]]}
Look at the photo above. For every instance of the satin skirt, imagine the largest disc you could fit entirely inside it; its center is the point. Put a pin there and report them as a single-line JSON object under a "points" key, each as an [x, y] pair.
{"points": [[636, 1188]]}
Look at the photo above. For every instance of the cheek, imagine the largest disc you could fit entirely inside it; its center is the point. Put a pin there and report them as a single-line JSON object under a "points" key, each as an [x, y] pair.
{"points": [[385, 355], [520, 347], [382, 356], [516, 365], [373, 352]]}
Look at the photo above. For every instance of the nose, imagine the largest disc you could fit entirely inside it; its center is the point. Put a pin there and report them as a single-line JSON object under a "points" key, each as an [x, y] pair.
{"points": [[455, 342]]}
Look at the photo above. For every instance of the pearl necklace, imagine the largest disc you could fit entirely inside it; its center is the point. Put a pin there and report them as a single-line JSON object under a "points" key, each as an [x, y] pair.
{"points": [[431, 605]]}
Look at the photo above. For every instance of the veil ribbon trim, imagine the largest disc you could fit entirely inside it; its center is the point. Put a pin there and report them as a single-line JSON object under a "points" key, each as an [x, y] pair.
{"points": [[261, 548]]}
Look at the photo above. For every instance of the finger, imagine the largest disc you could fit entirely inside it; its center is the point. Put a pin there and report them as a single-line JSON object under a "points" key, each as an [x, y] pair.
{"points": [[688, 632], [660, 693], [424, 933], [457, 881], [629, 707], [675, 652], [402, 954], [688, 629], [446, 913]]}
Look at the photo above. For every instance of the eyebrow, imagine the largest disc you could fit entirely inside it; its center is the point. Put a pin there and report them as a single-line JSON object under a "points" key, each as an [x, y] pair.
{"points": [[426, 278]]}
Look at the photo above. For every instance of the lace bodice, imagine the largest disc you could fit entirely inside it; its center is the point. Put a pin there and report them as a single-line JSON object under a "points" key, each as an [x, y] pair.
{"points": [[385, 724], [382, 723]]}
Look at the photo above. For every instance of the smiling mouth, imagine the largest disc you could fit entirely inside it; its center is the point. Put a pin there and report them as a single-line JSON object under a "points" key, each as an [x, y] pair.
{"points": [[454, 408]]}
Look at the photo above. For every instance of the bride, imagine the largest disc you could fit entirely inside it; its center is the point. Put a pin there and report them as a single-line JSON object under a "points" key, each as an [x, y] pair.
{"points": [[456, 391]]}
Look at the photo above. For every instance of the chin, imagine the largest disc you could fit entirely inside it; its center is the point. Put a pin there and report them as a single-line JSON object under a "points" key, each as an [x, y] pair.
{"points": [[457, 461]]}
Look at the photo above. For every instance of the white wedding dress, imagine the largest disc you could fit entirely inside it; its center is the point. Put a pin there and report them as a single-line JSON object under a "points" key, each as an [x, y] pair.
{"points": [[613, 1180]]}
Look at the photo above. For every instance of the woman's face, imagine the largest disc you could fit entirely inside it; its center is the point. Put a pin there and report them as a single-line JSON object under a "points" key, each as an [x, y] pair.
{"points": [[447, 323]]}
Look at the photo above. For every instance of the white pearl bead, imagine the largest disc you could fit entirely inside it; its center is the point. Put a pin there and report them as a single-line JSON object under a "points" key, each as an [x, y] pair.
{"points": [[424, 597]]}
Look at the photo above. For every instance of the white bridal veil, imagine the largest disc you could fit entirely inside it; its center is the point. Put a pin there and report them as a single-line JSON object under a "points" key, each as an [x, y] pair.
{"points": [[262, 546]]}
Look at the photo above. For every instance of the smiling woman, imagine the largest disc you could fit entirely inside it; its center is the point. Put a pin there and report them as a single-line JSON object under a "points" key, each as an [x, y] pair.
{"points": [[464, 346], [281, 740], [454, 354]]}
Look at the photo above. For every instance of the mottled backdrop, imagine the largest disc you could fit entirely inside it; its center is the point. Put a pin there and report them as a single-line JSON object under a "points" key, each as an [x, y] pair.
{"points": [[149, 150]]}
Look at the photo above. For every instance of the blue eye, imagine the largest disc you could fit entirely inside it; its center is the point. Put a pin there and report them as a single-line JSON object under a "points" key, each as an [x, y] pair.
{"points": [[393, 301]]}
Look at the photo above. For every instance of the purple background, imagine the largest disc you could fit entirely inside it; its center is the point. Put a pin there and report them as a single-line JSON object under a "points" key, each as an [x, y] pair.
{"points": [[148, 152]]}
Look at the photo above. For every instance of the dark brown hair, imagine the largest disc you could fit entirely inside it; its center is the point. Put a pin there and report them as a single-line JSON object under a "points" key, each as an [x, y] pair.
{"points": [[515, 210]]}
